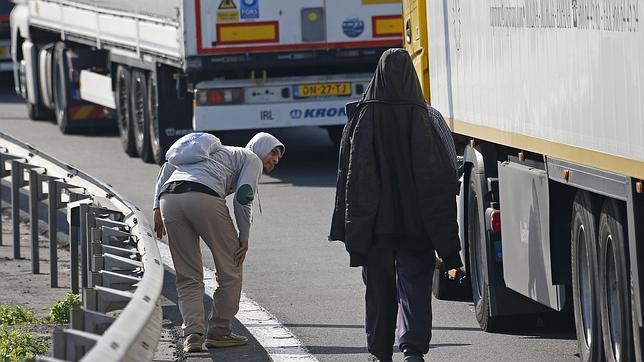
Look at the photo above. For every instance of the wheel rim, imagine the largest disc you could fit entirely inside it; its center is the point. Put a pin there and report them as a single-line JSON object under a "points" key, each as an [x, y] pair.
{"points": [[476, 248], [58, 98], [139, 110], [613, 299], [154, 123], [123, 99], [585, 291]]}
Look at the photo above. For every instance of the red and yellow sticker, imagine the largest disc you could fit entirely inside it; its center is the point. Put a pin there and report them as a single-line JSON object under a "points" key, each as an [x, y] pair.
{"points": [[243, 33], [86, 112]]}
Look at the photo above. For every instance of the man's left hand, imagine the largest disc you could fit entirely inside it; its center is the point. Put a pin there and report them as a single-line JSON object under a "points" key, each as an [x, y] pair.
{"points": [[240, 254]]}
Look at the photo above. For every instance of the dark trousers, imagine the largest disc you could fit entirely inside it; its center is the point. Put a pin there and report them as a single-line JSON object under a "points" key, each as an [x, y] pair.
{"points": [[398, 300]]}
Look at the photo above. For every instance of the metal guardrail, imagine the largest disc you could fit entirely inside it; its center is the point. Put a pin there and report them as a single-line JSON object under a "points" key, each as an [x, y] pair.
{"points": [[115, 261]]}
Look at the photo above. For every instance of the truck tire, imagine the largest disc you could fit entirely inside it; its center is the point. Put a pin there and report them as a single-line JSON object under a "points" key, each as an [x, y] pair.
{"points": [[170, 110], [479, 280], [335, 133], [60, 85], [140, 115], [157, 151], [123, 111], [36, 111], [584, 264], [614, 284]]}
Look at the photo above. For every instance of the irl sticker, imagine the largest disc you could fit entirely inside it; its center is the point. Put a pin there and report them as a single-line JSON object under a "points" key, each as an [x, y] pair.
{"points": [[249, 9], [353, 27]]}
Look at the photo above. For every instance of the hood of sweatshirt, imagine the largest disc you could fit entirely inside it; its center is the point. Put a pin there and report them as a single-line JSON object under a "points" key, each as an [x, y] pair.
{"points": [[395, 80], [263, 143], [192, 148]]}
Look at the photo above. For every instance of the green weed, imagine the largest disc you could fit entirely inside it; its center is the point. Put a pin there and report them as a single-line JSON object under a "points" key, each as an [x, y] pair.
{"points": [[16, 315], [19, 345], [59, 311]]}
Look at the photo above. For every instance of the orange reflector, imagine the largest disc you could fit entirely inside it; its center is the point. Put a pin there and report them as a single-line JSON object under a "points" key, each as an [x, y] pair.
{"points": [[86, 112], [388, 25], [242, 33], [565, 175], [639, 188]]}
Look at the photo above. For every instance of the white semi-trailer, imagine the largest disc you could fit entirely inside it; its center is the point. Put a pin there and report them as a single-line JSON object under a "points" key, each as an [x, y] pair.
{"points": [[168, 67], [546, 99]]}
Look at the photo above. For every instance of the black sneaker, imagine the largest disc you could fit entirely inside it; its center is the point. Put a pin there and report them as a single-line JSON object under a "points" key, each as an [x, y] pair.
{"points": [[414, 358], [373, 358]]}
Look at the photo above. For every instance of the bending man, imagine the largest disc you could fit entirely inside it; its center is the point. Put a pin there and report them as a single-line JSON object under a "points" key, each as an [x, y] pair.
{"points": [[189, 202]]}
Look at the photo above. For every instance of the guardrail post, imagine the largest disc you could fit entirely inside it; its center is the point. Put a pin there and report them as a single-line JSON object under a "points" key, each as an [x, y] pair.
{"points": [[74, 219], [17, 181], [93, 214], [35, 196], [55, 203], [4, 172]]}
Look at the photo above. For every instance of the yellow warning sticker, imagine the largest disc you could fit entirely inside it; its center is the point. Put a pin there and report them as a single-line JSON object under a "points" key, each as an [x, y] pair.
{"points": [[228, 16], [227, 5], [372, 2]]}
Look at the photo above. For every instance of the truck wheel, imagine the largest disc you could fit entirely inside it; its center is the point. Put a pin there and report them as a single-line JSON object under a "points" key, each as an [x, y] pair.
{"points": [[335, 133], [123, 114], [584, 276], [140, 117], [157, 151], [61, 88], [614, 284], [476, 241], [36, 111]]}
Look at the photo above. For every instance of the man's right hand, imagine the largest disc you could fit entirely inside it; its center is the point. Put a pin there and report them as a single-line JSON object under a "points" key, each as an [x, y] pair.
{"points": [[159, 229]]}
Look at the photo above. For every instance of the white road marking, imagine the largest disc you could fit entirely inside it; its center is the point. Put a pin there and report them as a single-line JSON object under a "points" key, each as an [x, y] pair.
{"points": [[277, 340]]}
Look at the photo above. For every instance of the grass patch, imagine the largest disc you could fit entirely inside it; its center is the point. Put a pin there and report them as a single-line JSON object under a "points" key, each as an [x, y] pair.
{"points": [[19, 345], [59, 311], [16, 315]]}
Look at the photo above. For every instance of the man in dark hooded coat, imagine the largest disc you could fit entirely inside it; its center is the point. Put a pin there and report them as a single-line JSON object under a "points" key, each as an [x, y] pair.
{"points": [[396, 206]]}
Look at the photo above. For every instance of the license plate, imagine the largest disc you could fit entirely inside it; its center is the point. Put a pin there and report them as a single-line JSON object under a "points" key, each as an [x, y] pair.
{"points": [[321, 90]]}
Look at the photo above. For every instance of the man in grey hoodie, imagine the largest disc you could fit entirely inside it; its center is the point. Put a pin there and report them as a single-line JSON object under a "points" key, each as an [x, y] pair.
{"points": [[189, 202]]}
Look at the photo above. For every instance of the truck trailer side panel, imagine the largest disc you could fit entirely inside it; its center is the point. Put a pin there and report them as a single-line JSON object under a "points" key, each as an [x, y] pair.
{"points": [[575, 84], [103, 26]]}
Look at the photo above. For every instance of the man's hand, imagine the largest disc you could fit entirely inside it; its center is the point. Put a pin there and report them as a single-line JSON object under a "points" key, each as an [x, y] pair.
{"points": [[455, 274], [240, 254], [159, 229]]}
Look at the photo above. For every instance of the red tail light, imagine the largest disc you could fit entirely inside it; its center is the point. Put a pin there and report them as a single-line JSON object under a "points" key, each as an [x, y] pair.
{"points": [[213, 97], [495, 221]]}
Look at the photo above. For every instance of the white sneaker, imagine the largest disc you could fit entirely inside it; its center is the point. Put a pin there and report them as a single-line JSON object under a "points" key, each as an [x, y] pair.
{"points": [[193, 343], [230, 340]]}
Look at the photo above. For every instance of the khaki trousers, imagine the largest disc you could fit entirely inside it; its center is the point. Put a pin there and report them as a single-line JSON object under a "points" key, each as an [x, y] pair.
{"points": [[187, 217]]}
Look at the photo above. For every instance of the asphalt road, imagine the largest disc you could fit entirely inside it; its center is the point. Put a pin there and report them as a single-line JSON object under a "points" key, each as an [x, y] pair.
{"points": [[291, 269]]}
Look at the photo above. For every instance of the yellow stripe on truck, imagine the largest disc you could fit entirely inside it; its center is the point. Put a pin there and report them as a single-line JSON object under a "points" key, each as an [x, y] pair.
{"points": [[387, 26], [247, 33], [603, 161], [371, 2]]}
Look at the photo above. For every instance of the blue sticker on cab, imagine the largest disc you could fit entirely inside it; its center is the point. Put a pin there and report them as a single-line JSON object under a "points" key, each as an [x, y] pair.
{"points": [[249, 9], [353, 27]]}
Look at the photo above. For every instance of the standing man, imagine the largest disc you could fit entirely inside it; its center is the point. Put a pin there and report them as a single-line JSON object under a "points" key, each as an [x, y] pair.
{"points": [[189, 202], [396, 206]]}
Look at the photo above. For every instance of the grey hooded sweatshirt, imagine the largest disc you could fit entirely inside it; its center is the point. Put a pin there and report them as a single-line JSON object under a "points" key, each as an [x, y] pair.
{"points": [[200, 157]]}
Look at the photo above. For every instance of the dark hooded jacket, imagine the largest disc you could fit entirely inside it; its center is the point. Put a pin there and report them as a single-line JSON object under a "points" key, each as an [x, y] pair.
{"points": [[395, 181]]}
